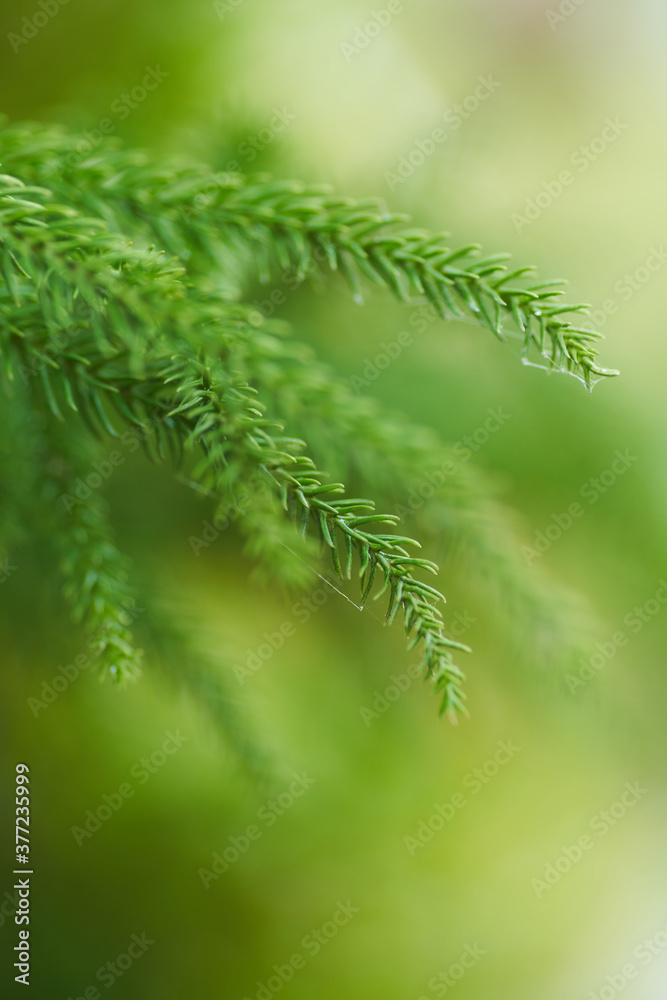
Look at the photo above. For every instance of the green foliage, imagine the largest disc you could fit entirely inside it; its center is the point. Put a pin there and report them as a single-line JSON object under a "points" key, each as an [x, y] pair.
{"points": [[101, 332]]}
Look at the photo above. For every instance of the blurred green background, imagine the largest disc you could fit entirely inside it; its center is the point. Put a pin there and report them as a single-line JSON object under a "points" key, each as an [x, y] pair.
{"points": [[356, 112]]}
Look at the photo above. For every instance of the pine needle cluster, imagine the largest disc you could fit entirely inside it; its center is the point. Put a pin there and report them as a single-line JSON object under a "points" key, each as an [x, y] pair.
{"points": [[122, 308]]}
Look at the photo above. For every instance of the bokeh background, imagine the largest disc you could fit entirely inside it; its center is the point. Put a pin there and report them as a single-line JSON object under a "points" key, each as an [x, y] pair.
{"points": [[560, 77]]}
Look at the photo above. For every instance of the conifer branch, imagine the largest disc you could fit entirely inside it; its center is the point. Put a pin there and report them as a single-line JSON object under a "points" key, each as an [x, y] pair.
{"points": [[384, 453], [224, 421], [292, 225], [209, 408], [110, 333]]}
